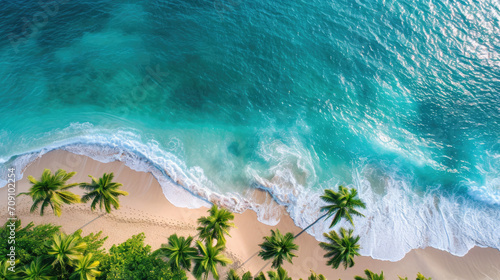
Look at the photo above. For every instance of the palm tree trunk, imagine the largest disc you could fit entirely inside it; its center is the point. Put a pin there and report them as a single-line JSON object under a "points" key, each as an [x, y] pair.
{"points": [[92, 221], [310, 225]]}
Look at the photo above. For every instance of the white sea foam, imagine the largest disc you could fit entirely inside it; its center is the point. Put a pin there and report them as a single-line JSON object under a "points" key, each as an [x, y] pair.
{"points": [[397, 218]]}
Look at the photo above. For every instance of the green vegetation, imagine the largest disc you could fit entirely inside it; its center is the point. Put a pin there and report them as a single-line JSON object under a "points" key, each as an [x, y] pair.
{"points": [[133, 259], [419, 277], [233, 275], [52, 190], [315, 276], [261, 276], [37, 270], [342, 204], [371, 276], [65, 250], [216, 226], [45, 252], [28, 241], [280, 274], [208, 260], [340, 249], [103, 191], [86, 268], [279, 248], [179, 252]]}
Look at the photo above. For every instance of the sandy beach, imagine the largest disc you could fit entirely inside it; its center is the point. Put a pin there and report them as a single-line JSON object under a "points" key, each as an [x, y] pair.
{"points": [[147, 210]]}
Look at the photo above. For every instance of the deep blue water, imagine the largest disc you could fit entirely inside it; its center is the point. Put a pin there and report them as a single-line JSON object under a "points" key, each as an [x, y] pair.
{"points": [[399, 99]]}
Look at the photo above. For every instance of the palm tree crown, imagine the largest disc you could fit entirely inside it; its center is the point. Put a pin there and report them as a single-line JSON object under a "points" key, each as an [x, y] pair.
{"points": [[419, 277], [233, 275], [280, 274], [371, 276], [85, 269], [208, 260], [66, 249], [278, 247], [103, 191], [179, 252], [261, 276], [315, 276], [52, 190], [340, 249], [37, 270], [216, 225], [342, 204], [5, 273]]}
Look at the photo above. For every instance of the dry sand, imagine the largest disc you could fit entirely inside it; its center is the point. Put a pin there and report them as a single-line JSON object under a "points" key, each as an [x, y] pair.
{"points": [[147, 210]]}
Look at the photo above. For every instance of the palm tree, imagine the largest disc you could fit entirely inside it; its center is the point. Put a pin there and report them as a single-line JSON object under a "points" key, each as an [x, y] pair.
{"points": [[179, 252], [52, 190], [280, 274], [341, 204], [66, 250], [7, 274], [37, 270], [261, 276], [370, 276], [315, 276], [103, 191], [419, 277], [216, 225], [278, 247], [85, 269], [340, 249], [208, 260], [233, 275]]}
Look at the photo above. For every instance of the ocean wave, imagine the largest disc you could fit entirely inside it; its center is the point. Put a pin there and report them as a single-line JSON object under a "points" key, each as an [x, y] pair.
{"points": [[398, 219]]}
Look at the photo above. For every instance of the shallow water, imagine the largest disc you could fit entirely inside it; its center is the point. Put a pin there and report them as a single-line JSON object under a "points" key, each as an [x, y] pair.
{"points": [[398, 99]]}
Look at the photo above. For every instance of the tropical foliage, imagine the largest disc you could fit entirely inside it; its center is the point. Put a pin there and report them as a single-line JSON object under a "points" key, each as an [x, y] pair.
{"points": [[340, 249], [216, 226], [315, 276], [103, 192], [86, 268], [371, 276], [233, 275], [209, 259], [43, 252], [179, 252], [52, 190], [261, 276], [342, 204], [279, 248], [65, 250], [29, 240], [37, 270], [133, 259], [280, 274], [6, 273], [419, 277]]}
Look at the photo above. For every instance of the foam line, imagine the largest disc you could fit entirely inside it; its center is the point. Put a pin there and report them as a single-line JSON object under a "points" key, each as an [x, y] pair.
{"points": [[397, 220]]}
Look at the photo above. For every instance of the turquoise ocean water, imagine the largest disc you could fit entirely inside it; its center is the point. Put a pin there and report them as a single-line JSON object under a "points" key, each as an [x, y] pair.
{"points": [[399, 99]]}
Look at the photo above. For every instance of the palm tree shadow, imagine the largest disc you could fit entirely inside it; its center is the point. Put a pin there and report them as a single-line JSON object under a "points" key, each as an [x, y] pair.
{"points": [[88, 223]]}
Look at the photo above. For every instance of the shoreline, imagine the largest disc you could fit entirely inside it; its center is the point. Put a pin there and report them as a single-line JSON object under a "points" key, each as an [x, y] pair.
{"points": [[147, 210]]}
